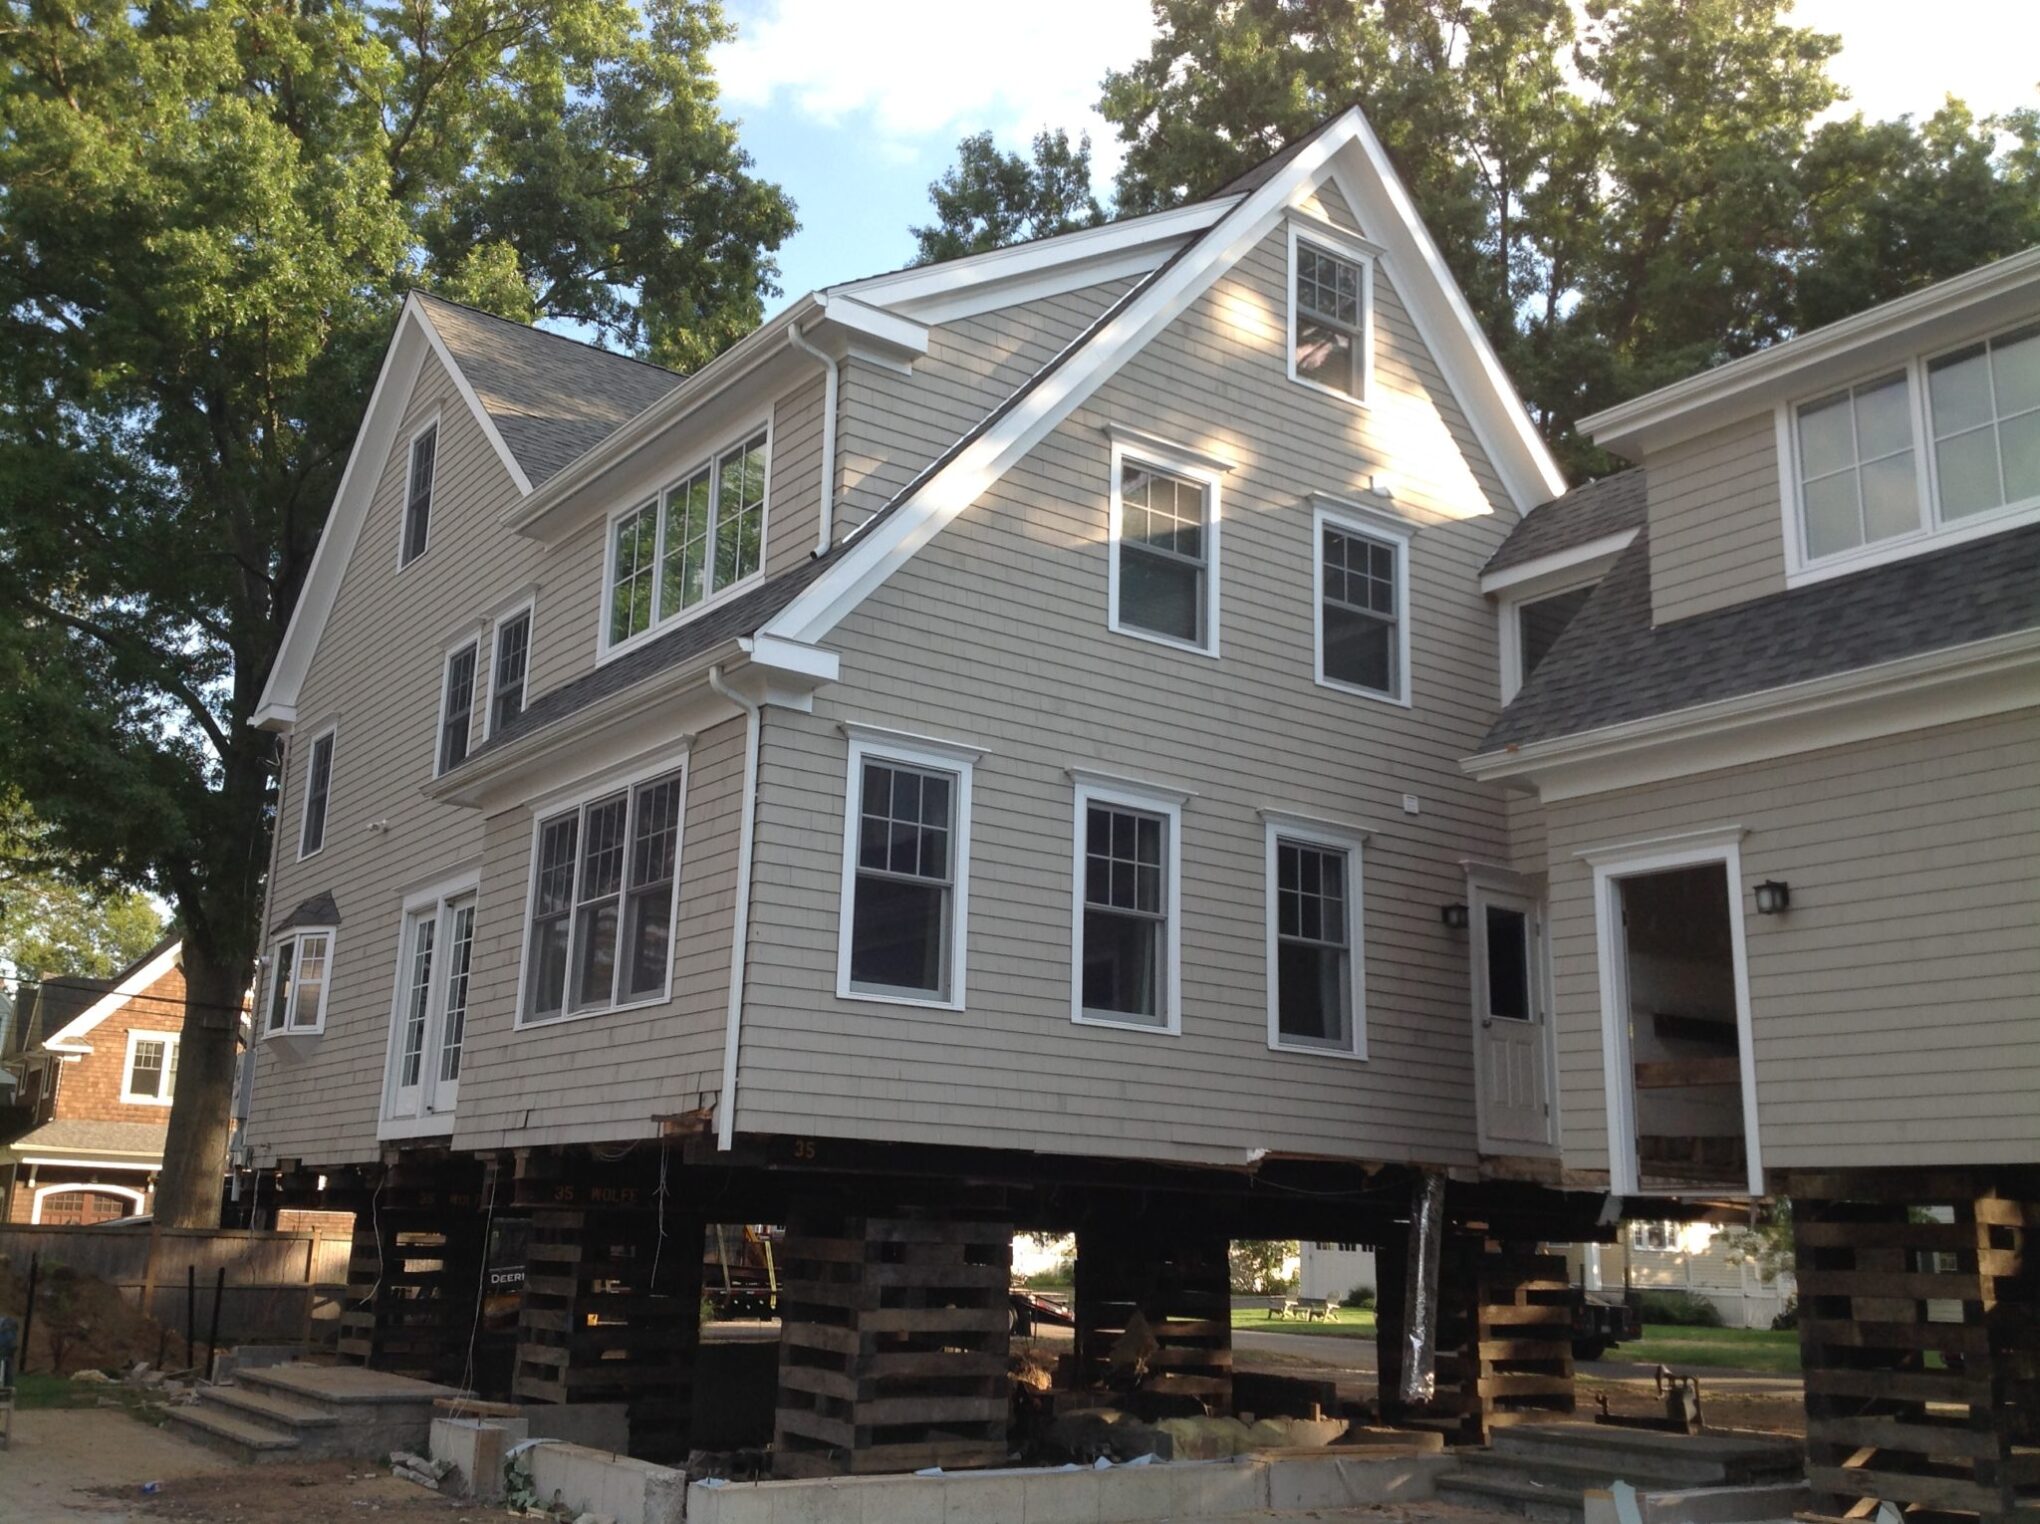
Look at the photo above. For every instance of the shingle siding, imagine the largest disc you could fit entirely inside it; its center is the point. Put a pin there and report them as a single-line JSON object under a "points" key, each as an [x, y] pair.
{"points": [[1716, 521], [1894, 1004], [995, 634]]}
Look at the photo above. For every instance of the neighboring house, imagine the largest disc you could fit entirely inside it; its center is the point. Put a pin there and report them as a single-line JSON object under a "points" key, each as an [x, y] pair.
{"points": [[96, 1065], [1653, 1255], [1335, 1270]]}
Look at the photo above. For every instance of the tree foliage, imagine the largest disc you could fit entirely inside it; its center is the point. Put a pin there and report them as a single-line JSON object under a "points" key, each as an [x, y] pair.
{"points": [[989, 199], [210, 212], [52, 924], [1261, 1265], [1627, 190]]}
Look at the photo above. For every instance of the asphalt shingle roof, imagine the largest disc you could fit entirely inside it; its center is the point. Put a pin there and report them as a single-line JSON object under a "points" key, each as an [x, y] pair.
{"points": [[320, 910], [1612, 665], [79, 1136], [1589, 512], [551, 398]]}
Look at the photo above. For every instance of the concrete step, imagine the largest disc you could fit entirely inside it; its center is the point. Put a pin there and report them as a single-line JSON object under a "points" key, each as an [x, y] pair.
{"points": [[231, 1434], [1698, 1459], [285, 1414], [1558, 1504], [1578, 1471]]}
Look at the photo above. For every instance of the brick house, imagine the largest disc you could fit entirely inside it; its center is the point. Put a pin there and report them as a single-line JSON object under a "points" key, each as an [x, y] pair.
{"points": [[95, 1063]]}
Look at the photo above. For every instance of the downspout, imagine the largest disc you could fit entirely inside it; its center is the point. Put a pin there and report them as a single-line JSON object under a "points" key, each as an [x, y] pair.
{"points": [[740, 931], [831, 379]]}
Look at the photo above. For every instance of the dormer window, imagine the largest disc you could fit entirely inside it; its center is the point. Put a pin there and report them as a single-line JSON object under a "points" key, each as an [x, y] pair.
{"points": [[1943, 448], [688, 545], [1331, 312]]}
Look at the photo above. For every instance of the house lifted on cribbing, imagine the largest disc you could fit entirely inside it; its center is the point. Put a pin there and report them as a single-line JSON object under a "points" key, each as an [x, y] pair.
{"points": [[989, 751]]}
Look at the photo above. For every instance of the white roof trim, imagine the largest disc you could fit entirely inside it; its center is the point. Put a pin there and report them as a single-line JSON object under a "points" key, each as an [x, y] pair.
{"points": [[1558, 562], [414, 338], [76, 1029], [1785, 365], [1532, 475]]}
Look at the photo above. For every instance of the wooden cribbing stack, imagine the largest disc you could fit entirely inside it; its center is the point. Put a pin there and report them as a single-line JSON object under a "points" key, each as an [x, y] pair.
{"points": [[1919, 1333], [412, 1275], [894, 1340], [613, 1314], [1179, 1286]]}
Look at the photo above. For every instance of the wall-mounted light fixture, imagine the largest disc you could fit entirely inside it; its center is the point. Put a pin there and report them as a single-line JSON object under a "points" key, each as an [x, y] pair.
{"points": [[1454, 916], [1773, 897]]}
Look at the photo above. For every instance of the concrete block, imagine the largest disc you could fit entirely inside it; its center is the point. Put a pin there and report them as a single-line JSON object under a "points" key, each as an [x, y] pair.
{"points": [[598, 1425], [1061, 1497], [905, 1500], [595, 1481], [835, 1500], [1335, 1481], [1217, 1488], [1132, 1494], [735, 1503], [983, 1497], [475, 1448]]}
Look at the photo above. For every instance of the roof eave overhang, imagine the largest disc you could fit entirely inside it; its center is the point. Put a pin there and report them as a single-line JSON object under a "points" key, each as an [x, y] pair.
{"points": [[1946, 313], [1941, 687], [742, 378], [1590, 558], [662, 713]]}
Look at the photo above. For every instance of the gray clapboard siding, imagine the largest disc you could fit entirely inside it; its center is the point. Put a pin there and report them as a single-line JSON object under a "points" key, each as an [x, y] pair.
{"points": [[1716, 534], [996, 634], [1894, 1005]]}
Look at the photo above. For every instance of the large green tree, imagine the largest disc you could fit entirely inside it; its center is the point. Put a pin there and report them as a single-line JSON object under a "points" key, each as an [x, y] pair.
{"points": [[51, 922], [208, 212], [989, 199]]}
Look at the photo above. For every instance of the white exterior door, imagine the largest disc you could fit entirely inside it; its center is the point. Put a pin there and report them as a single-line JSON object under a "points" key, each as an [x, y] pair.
{"points": [[1511, 1022], [429, 1022]]}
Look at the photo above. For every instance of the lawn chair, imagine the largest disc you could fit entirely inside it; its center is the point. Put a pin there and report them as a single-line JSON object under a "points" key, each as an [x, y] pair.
{"points": [[1281, 1307]]}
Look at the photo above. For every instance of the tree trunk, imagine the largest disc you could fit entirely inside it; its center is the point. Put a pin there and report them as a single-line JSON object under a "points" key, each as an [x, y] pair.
{"points": [[202, 1113]]}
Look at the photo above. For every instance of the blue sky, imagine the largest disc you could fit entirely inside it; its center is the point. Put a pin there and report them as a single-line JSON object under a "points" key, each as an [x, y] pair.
{"points": [[855, 105]]}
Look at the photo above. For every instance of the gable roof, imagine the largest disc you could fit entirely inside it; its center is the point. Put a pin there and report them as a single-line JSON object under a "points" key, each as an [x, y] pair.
{"points": [[1591, 511], [1612, 665], [131, 981], [551, 398], [96, 1140]]}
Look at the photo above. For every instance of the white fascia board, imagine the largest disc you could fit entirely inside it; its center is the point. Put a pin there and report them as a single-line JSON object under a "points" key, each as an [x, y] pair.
{"points": [[1449, 329], [873, 557], [863, 328], [791, 657], [1935, 688], [1923, 319], [1573, 561], [414, 338], [66, 1037], [958, 288]]}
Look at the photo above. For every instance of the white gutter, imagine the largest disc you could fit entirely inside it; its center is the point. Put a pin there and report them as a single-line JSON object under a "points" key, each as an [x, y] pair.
{"points": [[740, 932], [832, 377]]}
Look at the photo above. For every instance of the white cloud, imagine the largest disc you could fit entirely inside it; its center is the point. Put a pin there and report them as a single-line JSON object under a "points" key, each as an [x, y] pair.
{"points": [[921, 73]]}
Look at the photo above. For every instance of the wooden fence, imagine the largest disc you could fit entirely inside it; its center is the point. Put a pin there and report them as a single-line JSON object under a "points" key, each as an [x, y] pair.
{"points": [[279, 1287]]}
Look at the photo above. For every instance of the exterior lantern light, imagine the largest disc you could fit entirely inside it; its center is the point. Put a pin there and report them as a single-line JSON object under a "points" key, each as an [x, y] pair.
{"points": [[1773, 897], [1454, 916]]}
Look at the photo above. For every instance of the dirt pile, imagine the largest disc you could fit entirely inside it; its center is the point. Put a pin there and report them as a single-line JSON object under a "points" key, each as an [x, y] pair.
{"points": [[82, 1323]]}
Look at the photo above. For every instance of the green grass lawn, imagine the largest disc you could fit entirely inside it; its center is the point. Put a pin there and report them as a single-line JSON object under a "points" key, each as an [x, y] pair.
{"points": [[1346, 1323], [1743, 1349], [41, 1390]]}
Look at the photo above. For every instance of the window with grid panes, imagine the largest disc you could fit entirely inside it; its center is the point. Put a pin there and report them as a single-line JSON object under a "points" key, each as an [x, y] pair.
{"points": [[1361, 641], [697, 539], [457, 702], [1126, 914], [1164, 554], [512, 666], [905, 886], [1330, 320], [1313, 945], [418, 496]]}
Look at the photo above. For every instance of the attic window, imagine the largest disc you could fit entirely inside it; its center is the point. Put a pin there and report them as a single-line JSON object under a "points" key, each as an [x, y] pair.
{"points": [[418, 497], [1331, 313]]}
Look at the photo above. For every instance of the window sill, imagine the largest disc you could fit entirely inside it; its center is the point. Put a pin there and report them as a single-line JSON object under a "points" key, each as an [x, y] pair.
{"points": [[1128, 1024], [1361, 403], [610, 651], [880, 997], [294, 1045], [146, 1100], [649, 1002], [1922, 542], [1393, 700], [1308, 1050], [1185, 646]]}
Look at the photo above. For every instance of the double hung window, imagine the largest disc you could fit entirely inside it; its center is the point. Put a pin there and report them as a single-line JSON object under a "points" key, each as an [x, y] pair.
{"points": [[1362, 623], [297, 983], [1164, 532], [456, 706], [602, 900], [1315, 988], [693, 542], [906, 864], [1127, 912], [318, 788], [418, 494], [150, 1078], [1331, 321], [509, 669]]}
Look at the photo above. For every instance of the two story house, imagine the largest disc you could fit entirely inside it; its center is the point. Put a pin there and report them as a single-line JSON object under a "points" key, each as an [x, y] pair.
{"points": [[95, 1064]]}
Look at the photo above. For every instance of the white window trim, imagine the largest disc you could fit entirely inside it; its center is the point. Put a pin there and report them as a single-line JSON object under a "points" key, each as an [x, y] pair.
{"points": [[1358, 519], [1351, 841], [472, 640], [526, 606], [427, 425], [1510, 613], [295, 934], [871, 744], [542, 810], [1347, 246], [127, 1069], [1153, 799], [1175, 460], [1934, 533], [84, 1188], [1611, 864], [432, 897], [325, 732], [605, 648]]}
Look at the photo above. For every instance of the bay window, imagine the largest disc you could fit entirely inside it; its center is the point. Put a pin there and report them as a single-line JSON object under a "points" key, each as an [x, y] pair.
{"points": [[297, 983]]}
